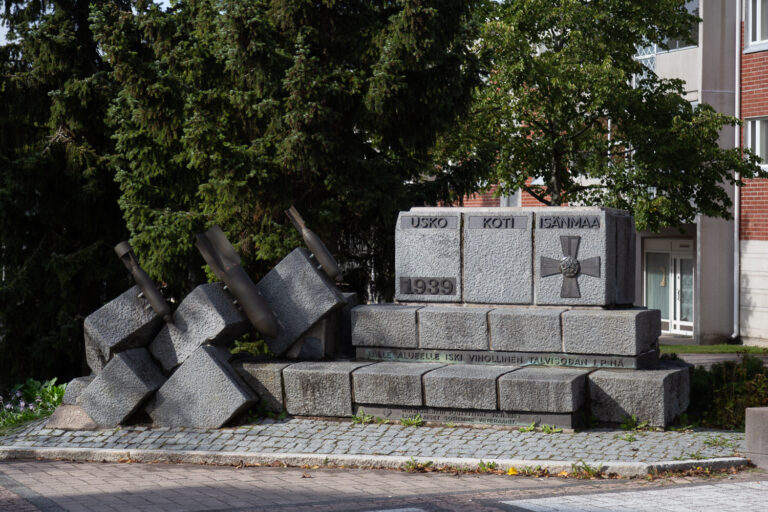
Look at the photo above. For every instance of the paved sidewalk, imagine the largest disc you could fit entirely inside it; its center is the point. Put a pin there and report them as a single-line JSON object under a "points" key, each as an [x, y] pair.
{"points": [[303, 441]]}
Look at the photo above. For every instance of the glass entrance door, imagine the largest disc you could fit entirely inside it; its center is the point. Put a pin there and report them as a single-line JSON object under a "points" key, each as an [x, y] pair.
{"points": [[682, 317], [668, 283]]}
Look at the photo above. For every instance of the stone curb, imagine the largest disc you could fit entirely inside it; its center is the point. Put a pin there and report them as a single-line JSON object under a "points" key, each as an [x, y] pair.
{"points": [[625, 469]]}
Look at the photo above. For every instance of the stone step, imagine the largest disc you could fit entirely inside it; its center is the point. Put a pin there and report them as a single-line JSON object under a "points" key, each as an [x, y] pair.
{"points": [[617, 332], [502, 395]]}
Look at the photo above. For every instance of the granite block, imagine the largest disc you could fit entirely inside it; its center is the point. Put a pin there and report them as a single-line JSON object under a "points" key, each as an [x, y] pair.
{"points": [[757, 436], [463, 386], [498, 256], [266, 380], [428, 255], [534, 389], [121, 388], [656, 395], [299, 294], [70, 417], [625, 332], [384, 325], [204, 392], [124, 322], [344, 325], [74, 388], [525, 330], [207, 315], [453, 327], [319, 388], [390, 383]]}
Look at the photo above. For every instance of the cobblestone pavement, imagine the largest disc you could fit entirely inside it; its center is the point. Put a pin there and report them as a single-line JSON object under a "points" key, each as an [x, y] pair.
{"points": [[56, 486], [337, 438]]}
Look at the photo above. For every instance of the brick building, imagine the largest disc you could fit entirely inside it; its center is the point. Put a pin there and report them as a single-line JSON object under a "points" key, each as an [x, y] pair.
{"points": [[710, 280]]}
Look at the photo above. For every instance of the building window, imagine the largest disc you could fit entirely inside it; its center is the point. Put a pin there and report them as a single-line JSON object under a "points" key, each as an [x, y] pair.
{"points": [[758, 26], [757, 138], [693, 8]]}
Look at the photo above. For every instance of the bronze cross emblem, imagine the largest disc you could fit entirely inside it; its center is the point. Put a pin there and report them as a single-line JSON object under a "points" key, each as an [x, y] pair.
{"points": [[570, 267]]}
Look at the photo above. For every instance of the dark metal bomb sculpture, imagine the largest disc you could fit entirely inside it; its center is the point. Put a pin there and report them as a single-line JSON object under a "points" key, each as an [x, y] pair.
{"points": [[148, 289], [315, 245], [225, 264], [570, 267]]}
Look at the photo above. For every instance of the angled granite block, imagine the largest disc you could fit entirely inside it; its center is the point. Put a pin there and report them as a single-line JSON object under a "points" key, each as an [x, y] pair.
{"points": [[299, 294], [74, 388], [525, 329], [535, 389], [453, 327], [624, 332], [428, 255], [390, 383], [463, 386], [207, 315], [576, 260], [204, 392], [124, 322], [121, 387], [498, 256], [266, 380], [384, 325], [319, 388], [657, 396]]}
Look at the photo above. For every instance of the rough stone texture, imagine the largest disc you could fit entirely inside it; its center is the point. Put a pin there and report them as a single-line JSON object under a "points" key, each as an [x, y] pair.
{"points": [[625, 259], [344, 325], [319, 389], [204, 392], [74, 388], [428, 253], [657, 396], [453, 327], [207, 315], [626, 332], [319, 341], [299, 294], [121, 387], [390, 383], [525, 329], [757, 436], [384, 325], [498, 252], [463, 386], [124, 322], [543, 390], [70, 417], [601, 242], [266, 380]]}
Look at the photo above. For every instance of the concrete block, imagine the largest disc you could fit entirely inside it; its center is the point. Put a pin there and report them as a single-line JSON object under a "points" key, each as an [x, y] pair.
{"points": [[299, 294], [74, 388], [390, 383], [204, 392], [121, 388], [207, 315], [453, 327], [626, 332], [576, 259], [266, 380], [70, 417], [498, 256], [526, 330], [384, 325], [657, 395], [124, 322], [463, 386], [428, 255], [757, 436], [535, 389], [319, 389]]}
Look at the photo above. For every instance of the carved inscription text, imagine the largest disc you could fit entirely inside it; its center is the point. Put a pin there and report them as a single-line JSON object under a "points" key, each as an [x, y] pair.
{"points": [[428, 285], [569, 222]]}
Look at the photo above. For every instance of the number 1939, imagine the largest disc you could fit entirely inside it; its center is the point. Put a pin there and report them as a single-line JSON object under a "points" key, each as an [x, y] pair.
{"points": [[428, 285]]}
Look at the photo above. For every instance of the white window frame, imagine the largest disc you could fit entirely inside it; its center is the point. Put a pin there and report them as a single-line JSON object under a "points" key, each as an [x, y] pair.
{"points": [[754, 132], [752, 43]]}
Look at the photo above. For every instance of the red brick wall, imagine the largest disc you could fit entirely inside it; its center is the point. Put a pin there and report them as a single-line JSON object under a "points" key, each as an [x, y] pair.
{"points": [[754, 103], [485, 199]]}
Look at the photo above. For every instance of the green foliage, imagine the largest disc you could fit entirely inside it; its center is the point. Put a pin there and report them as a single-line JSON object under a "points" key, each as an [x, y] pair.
{"points": [[414, 466], [566, 102], [550, 429], [628, 437], [583, 470], [29, 401], [631, 423], [486, 467], [252, 345], [719, 396], [710, 349], [529, 428], [58, 201], [361, 418], [414, 421]]}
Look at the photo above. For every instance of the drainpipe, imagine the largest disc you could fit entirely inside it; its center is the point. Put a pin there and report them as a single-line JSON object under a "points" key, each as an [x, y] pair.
{"points": [[736, 335]]}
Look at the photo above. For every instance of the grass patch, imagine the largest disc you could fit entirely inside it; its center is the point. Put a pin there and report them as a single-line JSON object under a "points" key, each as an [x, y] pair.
{"points": [[711, 349]]}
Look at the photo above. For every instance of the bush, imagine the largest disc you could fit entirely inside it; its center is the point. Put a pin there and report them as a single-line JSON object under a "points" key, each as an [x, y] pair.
{"points": [[720, 395], [29, 401]]}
